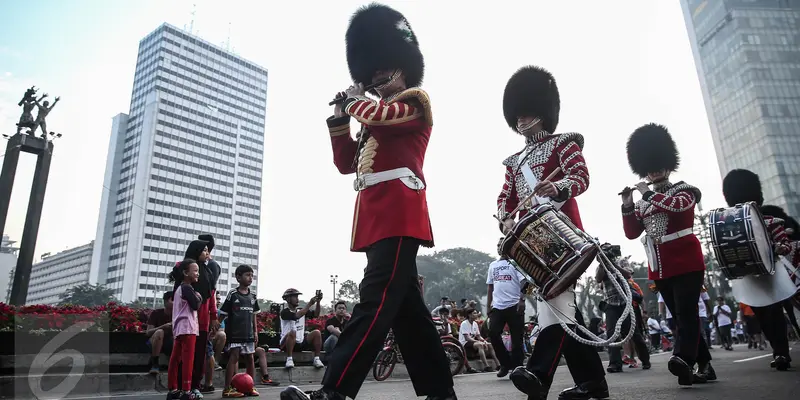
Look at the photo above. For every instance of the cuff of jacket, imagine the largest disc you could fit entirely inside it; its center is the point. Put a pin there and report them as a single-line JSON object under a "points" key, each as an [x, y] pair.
{"points": [[339, 126], [627, 209]]}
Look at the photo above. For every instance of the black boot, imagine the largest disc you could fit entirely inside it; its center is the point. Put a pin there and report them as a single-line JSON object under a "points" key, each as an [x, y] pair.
{"points": [[294, 393], [588, 390], [682, 370], [781, 363], [706, 371], [503, 371], [451, 396], [528, 383]]}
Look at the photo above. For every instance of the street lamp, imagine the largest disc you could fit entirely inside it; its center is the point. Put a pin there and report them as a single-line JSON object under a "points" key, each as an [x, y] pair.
{"points": [[334, 280]]}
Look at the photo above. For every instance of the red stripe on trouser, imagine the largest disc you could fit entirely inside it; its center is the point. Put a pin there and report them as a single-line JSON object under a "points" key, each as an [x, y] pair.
{"points": [[374, 319], [182, 353], [558, 355]]}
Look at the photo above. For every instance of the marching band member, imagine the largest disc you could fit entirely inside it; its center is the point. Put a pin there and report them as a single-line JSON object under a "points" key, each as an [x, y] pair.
{"points": [[391, 216], [741, 186], [792, 229], [531, 106], [666, 215]]}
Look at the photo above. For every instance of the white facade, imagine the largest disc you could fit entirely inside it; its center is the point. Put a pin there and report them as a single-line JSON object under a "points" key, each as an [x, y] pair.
{"points": [[57, 273], [186, 160], [8, 261]]}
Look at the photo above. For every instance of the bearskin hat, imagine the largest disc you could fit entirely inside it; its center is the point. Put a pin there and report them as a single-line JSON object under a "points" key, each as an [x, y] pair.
{"points": [[532, 91], [380, 38], [788, 222], [741, 186], [651, 149]]}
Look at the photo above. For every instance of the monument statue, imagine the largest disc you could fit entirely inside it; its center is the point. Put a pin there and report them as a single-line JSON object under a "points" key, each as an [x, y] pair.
{"points": [[44, 110], [28, 102]]}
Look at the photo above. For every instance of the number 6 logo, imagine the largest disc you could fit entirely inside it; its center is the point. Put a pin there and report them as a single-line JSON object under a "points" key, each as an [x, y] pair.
{"points": [[46, 359]]}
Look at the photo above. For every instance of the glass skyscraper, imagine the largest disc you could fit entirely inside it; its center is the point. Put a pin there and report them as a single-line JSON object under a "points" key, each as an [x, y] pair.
{"points": [[186, 160], [747, 54]]}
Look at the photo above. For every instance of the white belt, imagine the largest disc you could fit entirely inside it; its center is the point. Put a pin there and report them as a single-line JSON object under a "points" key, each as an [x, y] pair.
{"points": [[404, 174], [675, 235]]}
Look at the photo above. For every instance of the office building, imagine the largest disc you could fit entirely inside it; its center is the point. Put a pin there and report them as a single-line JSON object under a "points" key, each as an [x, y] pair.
{"points": [[57, 273], [186, 160], [747, 54]]}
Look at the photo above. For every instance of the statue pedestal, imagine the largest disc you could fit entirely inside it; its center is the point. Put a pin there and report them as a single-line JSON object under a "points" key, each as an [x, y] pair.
{"points": [[43, 149]]}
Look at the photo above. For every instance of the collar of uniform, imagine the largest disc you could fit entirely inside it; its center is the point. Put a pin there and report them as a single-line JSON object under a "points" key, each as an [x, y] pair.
{"points": [[536, 137], [662, 187]]}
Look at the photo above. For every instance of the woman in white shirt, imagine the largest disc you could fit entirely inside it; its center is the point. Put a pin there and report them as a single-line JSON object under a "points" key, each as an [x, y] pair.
{"points": [[470, 337]]}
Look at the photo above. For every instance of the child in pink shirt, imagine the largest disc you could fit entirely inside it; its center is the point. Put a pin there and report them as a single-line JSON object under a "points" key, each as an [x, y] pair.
{"points": [[184, 329]]}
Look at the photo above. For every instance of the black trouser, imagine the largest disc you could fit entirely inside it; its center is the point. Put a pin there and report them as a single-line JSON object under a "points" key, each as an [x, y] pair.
{"points": [[725, 335], [655, 341], [390, 298], [497, 321], [680, 294], [582, 360], [773, 324], [613, 313]]}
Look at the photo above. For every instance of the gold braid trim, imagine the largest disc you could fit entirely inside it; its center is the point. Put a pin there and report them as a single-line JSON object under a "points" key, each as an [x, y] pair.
{"points": [[420, 96], [367, 157], [339, 130]]}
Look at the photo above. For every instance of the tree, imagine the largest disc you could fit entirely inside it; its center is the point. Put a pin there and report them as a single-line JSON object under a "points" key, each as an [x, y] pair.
{"points": [[87, 295], [457, 273], [348, 291]]}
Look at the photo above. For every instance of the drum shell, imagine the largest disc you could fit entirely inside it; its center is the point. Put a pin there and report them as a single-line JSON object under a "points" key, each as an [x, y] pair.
{"points": [[549, 249], [741, 242]]}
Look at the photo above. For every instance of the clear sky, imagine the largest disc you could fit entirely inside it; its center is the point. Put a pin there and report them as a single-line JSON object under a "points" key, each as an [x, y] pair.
{"points": [[618, 65]]}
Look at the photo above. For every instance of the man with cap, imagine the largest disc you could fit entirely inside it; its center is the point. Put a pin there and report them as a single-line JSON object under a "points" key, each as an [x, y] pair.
{"points": [[531, 106], [391, 219], [742, 186], [666, 215]]}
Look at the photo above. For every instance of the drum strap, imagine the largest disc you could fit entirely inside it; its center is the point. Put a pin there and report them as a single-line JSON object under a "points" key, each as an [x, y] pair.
{"points": [[532, 181]]}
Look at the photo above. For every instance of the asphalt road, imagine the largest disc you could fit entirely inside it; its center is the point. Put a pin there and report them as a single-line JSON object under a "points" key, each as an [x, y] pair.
{"points": [[742, 373]]}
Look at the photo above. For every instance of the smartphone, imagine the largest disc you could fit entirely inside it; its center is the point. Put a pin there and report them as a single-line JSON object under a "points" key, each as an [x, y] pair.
{"points": [[319, 294]]}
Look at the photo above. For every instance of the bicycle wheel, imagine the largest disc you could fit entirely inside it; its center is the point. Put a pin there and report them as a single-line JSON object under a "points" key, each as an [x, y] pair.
{"points": [[456, 357], [383, 365]]}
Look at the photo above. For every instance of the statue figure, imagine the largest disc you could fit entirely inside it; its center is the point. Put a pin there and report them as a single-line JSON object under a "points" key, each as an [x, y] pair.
{"points": [[44, 110], [27, 103]]}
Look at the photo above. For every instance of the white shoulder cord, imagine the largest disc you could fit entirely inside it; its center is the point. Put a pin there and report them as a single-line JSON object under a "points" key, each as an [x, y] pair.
{"points": [[594, 340]]}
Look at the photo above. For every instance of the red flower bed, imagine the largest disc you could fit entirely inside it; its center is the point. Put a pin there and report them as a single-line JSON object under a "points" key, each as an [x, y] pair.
{"points": [[271, 322], [56, 318]]}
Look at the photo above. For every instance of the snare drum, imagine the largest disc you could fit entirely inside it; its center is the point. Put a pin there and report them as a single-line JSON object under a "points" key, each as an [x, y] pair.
{"points": [[741, 241], [548, 248]]}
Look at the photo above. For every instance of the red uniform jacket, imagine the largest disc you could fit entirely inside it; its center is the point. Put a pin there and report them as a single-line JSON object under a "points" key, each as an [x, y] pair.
{"points": [[399, 132], [545, 155], [660, 214]]}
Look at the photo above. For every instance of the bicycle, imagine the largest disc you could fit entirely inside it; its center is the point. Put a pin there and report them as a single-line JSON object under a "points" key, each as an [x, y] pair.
{"points": [[387, 359]]}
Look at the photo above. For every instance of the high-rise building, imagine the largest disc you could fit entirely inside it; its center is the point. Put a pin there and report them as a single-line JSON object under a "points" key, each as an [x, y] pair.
{"points": [[186, 160], [747, 54], [8, 261], [57, 273]]}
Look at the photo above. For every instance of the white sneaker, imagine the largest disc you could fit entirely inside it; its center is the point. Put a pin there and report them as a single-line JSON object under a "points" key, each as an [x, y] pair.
{"points": [[318, 363], [289, 363]]}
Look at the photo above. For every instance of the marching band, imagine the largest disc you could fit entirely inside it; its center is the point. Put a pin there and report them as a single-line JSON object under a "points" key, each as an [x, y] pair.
{"points": [[541, 224]]}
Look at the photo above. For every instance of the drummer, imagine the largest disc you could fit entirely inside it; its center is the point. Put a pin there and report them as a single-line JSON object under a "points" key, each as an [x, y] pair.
{"points": [[531, 107], [674, 254], [742, 186]]}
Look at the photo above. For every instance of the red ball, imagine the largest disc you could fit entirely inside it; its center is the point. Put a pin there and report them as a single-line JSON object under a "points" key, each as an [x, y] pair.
{"points": [[242, 382]]}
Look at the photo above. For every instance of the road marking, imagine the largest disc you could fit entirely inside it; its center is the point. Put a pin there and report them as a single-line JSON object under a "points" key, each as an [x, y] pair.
{"points": [[756, 357]]}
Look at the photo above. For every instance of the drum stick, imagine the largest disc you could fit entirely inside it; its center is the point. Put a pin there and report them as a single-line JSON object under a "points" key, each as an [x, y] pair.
{"points": [[530, 196]]}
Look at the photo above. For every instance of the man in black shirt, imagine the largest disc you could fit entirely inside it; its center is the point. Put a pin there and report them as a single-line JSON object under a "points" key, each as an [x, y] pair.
{"points": [[334, 326], [240, 309], [159, 332], [293, 327]]}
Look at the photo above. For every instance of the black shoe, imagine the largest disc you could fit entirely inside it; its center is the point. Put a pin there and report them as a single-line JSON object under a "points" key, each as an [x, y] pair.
{"points": [[528, 383], [503, 371], [646, 365], [586, 390], [681, 369], [294, 393], [781, 363], [708, 372], [451, 396], [612, 368]]}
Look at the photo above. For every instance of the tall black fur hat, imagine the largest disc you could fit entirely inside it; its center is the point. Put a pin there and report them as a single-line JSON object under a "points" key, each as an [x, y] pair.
{"points": [[380, 38], [651, 149], [740, 186], [532, 92]]}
